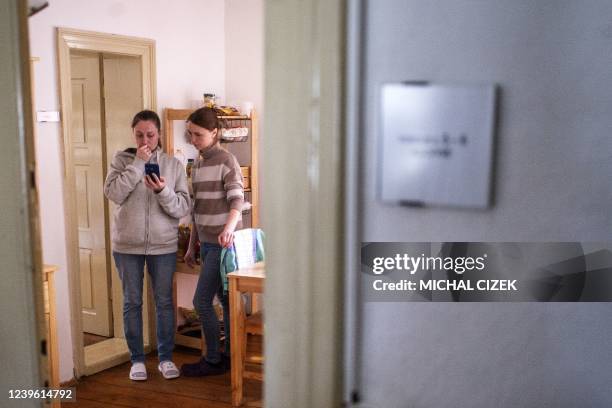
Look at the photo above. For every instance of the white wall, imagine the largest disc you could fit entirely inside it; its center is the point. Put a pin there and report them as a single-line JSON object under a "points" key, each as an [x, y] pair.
{"points": [[190, 48], [551, 60], [244, 51]]}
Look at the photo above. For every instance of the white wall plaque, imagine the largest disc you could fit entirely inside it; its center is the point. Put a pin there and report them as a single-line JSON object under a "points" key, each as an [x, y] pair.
{"points": [[437, 144]]}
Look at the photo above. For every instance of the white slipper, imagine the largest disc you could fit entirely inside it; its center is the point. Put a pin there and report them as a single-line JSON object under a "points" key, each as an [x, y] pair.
{"points": [[138, 372], [168, 369]]}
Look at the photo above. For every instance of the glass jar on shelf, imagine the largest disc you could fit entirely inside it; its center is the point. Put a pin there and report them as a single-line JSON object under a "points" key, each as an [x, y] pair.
{"points": [[189, 167], [209, 100]]}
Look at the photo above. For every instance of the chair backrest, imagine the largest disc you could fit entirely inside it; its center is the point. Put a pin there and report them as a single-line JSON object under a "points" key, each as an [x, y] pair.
{"points": [[245, 245]]}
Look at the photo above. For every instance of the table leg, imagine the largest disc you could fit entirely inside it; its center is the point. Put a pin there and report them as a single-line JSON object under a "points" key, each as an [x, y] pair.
{"points": [[237, 318]]}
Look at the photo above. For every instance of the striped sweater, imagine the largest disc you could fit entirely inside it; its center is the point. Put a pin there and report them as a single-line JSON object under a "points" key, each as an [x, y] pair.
{"points": [[217, 188]]}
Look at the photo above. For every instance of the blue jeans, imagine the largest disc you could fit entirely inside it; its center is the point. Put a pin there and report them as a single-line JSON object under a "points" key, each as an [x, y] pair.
{"points": [[131, 271], [209, 285]]}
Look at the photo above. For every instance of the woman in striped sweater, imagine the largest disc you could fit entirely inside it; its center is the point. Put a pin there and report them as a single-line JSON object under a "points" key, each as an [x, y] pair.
{"points": [[218, 199]]}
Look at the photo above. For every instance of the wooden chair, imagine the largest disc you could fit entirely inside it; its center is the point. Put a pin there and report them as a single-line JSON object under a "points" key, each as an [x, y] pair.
{"points": [[253, 325], [254, 321], [249, 279]]}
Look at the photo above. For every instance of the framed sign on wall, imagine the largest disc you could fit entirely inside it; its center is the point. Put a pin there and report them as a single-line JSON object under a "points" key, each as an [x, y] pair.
{"points": [[437, 144]]}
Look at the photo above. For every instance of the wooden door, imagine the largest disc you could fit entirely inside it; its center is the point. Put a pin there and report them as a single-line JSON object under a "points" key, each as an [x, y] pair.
{"points": [[122, 77], [89, 162]]}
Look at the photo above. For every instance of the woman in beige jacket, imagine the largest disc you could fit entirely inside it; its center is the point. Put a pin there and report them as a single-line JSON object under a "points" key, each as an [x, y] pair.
{"points": [[145, 230]]}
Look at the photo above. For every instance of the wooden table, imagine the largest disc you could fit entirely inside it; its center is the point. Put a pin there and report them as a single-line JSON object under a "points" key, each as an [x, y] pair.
{"points": [[249, 279], [50, 317]]}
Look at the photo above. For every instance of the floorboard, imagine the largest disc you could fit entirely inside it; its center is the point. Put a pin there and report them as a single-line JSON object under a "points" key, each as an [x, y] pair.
{"points": [[113, 388]]}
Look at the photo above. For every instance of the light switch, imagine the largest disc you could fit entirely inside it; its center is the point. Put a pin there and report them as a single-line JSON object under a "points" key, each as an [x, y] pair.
{"points": [[47, 116]]}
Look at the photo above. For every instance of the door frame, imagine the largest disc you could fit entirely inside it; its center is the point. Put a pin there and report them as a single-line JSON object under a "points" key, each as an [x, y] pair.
{"points": [[303, 192], [70, 39], [21, 294]]}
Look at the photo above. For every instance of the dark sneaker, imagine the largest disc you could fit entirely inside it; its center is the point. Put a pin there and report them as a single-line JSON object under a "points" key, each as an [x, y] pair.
{"points": [[202, 368]]}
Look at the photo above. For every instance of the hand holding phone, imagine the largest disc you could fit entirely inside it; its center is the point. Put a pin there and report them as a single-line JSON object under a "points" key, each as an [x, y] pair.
{"points": [[153, 179], [152, 168]]}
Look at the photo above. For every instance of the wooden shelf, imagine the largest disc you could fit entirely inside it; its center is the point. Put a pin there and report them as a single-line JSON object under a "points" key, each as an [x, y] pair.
{"points": [[223, 141], [189, 341], [236, 117], [177, 114], [183, 114], [182, 267]]}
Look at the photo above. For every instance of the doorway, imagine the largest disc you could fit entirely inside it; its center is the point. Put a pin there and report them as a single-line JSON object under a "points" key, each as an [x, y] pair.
{"points": [[104, 80], [88, 143]]}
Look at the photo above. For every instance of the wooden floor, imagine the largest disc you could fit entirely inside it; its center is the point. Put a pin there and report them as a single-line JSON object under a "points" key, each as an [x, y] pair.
{"points": [[113, 388]]}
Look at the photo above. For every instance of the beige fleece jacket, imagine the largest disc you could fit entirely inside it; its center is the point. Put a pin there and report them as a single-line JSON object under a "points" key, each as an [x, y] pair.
{"points": [[145, 222]]}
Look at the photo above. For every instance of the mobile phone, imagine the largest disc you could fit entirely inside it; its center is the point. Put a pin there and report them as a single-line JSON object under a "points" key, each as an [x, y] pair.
{"points": [[152, 168]]}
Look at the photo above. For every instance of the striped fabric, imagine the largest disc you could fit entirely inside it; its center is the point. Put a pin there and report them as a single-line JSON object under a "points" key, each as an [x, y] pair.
{"points": [[217, 188]]}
